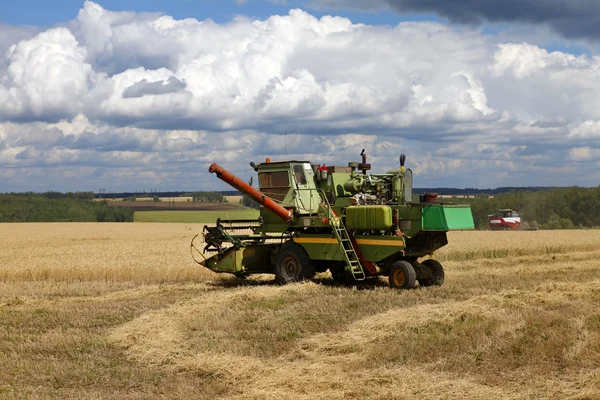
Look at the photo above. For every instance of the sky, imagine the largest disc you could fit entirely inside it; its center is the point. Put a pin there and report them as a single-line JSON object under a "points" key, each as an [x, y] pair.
{"points": [[135, 95]]}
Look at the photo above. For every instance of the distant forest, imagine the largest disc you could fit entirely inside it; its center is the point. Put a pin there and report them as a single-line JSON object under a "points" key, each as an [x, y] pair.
{"points": [[441, 191], [557, 208], [123, 195], [59, 207], [545, 208]]}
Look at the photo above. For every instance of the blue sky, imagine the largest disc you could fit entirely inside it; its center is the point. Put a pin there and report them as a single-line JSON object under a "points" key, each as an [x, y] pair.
{"points": [[102, 94], [48, 13]]}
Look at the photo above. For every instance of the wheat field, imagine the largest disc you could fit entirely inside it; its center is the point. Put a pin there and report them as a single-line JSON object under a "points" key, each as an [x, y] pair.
{"points": [[120, 311]]}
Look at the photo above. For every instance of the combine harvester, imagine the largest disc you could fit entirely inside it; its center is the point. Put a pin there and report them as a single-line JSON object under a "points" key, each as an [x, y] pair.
{"points": [[505, 220], [342, 219]]}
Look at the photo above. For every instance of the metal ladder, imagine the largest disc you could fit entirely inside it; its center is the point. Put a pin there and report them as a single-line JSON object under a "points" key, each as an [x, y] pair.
{"points": [[346, 246]]}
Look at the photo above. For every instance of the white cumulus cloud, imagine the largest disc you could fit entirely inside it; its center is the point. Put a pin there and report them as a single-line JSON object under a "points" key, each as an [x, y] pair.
{"points": [[114, 94], [47, 76]]}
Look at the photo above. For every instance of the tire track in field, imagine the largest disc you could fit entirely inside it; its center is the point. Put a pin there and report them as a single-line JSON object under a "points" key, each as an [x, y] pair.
{"points": [[327, 365]]}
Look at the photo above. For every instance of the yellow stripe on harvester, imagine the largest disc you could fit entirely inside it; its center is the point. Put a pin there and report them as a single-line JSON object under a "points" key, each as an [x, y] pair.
{"points": [[369, 242], [315, 240], [376, 242]]}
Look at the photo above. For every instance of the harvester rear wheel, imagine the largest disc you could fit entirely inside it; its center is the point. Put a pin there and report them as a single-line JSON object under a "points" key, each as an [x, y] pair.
{"points": [[293, 265], [435, 273], [402, 275]]}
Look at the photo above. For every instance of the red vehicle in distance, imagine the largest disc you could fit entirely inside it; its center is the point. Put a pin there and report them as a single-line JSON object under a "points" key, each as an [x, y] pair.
{"points": [[506, 219]]}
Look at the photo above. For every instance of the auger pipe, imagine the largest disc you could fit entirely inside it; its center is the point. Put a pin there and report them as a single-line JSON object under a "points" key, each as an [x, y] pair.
{"points": [[251, 192]]}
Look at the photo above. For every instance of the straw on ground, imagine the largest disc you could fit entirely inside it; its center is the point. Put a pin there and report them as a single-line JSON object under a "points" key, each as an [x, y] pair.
{"points": [[121, 311]]}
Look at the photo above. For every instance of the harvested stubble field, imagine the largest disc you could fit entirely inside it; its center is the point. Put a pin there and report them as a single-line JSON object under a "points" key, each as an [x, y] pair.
{"points": [[120, 311]]}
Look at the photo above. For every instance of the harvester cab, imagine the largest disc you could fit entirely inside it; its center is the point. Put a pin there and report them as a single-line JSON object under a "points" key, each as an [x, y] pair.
{"points": [[338, 218], [291, 184]]}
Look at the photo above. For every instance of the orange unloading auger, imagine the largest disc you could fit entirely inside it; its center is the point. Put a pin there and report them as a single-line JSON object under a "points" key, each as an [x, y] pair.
{"points": [[251, 192]]}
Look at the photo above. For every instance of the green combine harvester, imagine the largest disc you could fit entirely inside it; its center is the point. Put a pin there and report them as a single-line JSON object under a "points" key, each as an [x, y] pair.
{"points": [[342, 219]]}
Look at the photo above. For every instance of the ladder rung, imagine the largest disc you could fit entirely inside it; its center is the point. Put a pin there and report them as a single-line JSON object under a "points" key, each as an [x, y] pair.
{"points": [[347, 247]]}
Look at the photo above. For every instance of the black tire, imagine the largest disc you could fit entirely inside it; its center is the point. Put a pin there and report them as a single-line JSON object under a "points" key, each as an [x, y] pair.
{"points": [[293, 265], [435, 273], [402, 275], [338, 273]]}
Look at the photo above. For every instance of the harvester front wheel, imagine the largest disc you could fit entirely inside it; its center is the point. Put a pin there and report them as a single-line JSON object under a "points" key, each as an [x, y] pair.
{"points": [[435, 273], [293, 265], [402, 275]]}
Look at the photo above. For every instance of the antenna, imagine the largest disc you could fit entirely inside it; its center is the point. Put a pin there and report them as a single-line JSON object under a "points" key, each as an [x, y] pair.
{"points": [[285, 141]]}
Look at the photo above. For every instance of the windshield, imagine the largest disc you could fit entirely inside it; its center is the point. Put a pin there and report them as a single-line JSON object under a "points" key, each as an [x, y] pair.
{"points": [[276, 184]]}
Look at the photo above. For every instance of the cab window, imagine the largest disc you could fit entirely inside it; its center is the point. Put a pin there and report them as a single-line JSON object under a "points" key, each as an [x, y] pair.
{"points": [[299, 173], [276, 184]]}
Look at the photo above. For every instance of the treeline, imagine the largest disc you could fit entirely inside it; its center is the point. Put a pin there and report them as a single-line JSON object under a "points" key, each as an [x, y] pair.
{"points": [[59, 207], [476, 191], [559, 208], [58, 195], [208, 197], [121, 195]]}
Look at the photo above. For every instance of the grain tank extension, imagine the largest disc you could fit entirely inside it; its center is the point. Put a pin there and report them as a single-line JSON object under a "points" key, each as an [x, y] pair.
{"points": [[338, 218]]}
